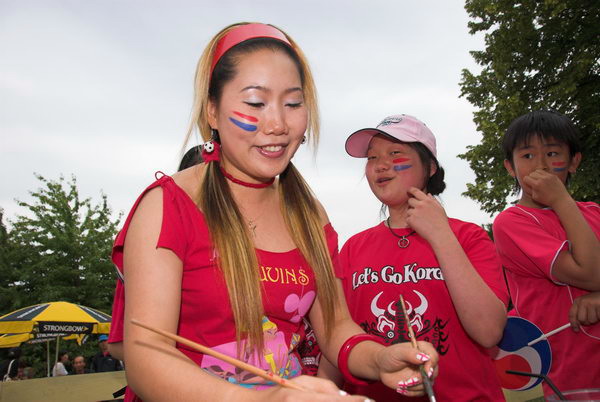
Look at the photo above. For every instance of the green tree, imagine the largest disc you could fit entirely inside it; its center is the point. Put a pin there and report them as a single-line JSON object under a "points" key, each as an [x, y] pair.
{"points": [[7, 276], [60, 249], [539, 54]]}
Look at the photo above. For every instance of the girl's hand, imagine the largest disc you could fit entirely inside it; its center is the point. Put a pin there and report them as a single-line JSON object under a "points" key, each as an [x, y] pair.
{"points": [[317, 389], [585, 310], [425, 215], [399, 366]]}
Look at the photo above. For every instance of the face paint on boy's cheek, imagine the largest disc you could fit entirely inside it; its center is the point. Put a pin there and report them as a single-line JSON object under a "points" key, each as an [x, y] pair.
{"points": [[242, 124], [401, 164], [559, 166]]}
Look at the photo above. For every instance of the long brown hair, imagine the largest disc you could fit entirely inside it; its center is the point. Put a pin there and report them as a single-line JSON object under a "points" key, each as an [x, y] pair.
{"points": [[237, 258]]}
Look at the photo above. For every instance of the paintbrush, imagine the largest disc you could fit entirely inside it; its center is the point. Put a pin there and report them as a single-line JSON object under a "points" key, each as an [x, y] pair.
{"points": [[228, 359], [413, 340]]}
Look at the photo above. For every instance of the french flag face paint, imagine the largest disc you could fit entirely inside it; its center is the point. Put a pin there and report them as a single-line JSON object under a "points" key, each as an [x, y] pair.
{"points": [[401, 164], [245, 122], [559, 166]]}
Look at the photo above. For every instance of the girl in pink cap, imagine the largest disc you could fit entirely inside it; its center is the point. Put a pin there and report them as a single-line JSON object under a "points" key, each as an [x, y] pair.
{"points": [[446, 270], [235, 252]]}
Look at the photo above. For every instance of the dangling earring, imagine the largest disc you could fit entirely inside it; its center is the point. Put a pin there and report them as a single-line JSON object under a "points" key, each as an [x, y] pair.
{"points": [[211, 148], [303, 140]]}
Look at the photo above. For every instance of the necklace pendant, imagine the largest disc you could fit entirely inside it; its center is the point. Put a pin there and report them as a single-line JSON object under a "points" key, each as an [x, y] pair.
{"points": [[403, 242]]}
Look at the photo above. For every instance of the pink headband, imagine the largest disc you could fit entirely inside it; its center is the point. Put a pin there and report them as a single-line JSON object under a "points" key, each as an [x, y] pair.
{"points": [[242, 33]]}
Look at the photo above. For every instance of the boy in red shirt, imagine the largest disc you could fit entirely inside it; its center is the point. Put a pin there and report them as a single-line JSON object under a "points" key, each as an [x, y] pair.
{"points": [[548, 244]]}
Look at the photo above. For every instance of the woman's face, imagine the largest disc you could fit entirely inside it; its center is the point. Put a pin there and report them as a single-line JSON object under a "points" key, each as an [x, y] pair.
{"points": [[392, 168], [261, 116]]}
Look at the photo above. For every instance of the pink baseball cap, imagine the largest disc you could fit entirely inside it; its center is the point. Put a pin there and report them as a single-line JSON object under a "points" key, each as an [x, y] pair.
{"points": [[399, 126]]}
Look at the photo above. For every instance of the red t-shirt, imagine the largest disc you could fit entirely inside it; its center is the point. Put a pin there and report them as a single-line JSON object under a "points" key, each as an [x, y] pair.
{"points": [[528, 241], [375, 272], [288, 293]]}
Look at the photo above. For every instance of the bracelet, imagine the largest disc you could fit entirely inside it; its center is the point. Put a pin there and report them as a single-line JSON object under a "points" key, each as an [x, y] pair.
{"points": [[344, 354]]}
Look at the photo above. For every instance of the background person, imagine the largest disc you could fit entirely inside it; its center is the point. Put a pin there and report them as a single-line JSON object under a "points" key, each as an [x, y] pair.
{"points": [[103, 361], [10, 367], [79, 366], [60, 368]]}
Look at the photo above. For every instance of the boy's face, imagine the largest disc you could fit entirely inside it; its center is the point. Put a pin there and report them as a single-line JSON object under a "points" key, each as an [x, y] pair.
{"points": [[548, 155]]}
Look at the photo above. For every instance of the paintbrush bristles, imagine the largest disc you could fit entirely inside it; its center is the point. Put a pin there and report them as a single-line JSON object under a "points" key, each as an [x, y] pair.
{"points": [[228, 359]]}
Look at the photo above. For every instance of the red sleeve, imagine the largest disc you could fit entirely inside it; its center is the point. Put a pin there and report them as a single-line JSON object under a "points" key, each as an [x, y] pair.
{"points": [[482, 254], [172, 237], [525, 248]]}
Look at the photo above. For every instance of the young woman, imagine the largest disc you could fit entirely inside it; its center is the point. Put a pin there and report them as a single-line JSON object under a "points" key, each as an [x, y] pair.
{"points": [[234, 252], [446, 270]]}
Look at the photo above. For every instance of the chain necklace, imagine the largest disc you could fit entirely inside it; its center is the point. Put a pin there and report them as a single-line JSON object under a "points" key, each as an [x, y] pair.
{"points": [[403, 242]]}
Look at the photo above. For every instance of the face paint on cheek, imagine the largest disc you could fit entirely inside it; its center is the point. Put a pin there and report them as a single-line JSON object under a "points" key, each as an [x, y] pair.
{"points": [[244, 125], [559, 166], [400, 164]]}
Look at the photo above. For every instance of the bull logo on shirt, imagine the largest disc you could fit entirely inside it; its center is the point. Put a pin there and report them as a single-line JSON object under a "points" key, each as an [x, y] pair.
{"points": [[386, 318]]}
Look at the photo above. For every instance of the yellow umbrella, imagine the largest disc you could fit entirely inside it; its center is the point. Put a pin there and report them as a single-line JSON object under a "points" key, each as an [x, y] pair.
{"points": [[47, 321], [55, 318]]}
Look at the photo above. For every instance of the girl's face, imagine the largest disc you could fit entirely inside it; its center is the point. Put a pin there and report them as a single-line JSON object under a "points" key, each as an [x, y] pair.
{"points": [[548, 155], [392, 168], [261, 116]]}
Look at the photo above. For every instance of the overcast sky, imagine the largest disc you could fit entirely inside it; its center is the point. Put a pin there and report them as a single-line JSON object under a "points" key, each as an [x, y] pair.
{"points": [[103, 90]]}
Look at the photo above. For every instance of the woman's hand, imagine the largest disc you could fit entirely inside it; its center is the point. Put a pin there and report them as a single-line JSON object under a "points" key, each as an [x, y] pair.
{"points": [[425, 215], [399, 367], [317, 389]]}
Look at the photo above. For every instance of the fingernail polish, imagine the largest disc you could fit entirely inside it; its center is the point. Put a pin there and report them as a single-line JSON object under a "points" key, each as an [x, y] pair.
{"points": [[342, 392], [430, 373], [402, 391], [423, 357]]}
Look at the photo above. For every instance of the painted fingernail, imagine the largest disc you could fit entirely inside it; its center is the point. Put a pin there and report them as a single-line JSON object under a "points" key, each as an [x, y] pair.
{"points": [[342, 392], [430, 373], [402, 391], [402, 384], [423, 357]]}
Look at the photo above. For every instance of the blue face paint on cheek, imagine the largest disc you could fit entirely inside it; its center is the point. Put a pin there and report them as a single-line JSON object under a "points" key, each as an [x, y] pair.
{"points": [[243, 126], [398, 167], [559, 167]]}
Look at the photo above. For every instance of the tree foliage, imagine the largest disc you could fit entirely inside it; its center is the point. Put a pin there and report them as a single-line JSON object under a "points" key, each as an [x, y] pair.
{"points": [[539, 54], [58, 250]]}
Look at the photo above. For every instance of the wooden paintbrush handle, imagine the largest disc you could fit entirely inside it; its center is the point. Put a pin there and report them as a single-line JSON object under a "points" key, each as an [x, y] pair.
{"points": [[228, 359]]}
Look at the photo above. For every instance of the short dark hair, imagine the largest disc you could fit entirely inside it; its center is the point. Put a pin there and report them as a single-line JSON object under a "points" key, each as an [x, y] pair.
{"points": [[544, 124]]}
